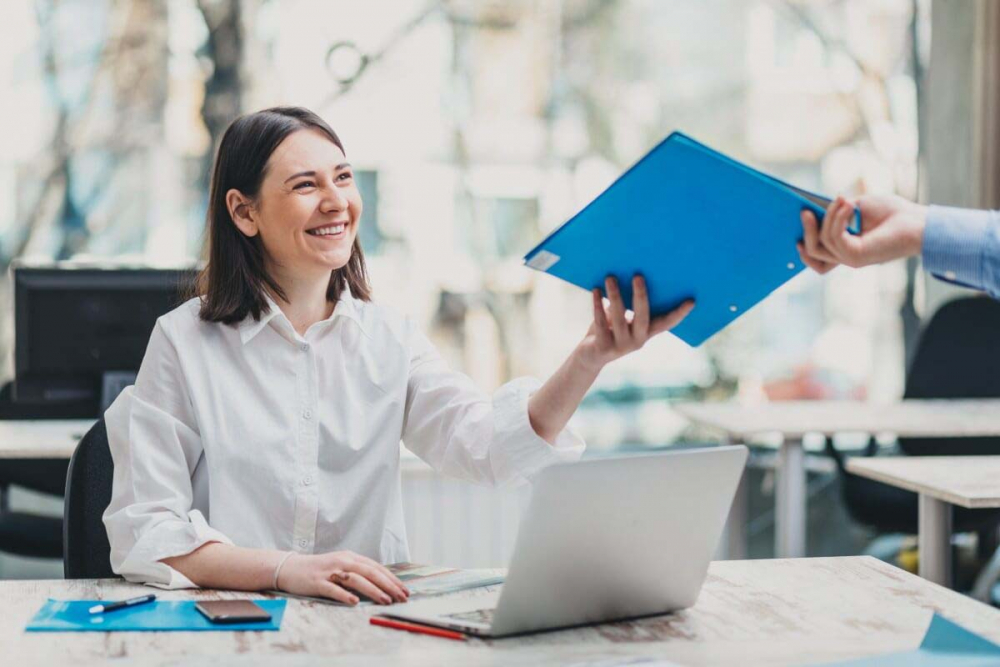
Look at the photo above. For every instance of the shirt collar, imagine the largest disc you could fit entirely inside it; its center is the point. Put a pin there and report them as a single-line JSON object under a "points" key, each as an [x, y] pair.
{"points": [[347, 306]]}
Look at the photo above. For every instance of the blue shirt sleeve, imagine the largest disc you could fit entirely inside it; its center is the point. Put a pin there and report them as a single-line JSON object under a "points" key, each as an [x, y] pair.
{"points": [[962, 246]]}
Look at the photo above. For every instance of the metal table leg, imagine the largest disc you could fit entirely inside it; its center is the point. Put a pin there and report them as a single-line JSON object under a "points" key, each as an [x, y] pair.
{"points": [[790, 501], [934, 540]]}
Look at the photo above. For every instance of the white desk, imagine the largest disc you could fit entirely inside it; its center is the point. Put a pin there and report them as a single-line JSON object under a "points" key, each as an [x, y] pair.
{"points": [[41, 438], [941, 481], [765, 612], [794, 419]]}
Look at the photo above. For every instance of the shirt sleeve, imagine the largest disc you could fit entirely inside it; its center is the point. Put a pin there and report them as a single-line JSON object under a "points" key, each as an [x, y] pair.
{"points": [[962, 246], [155, 446], [463, 432]]}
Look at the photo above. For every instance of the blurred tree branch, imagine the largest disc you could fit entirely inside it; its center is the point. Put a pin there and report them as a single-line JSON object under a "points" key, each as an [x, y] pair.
{"points": [[223, 100]]}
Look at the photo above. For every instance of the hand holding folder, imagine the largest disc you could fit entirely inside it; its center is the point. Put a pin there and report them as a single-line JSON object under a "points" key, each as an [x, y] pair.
{"points": [[892, 228], [697, 225]]}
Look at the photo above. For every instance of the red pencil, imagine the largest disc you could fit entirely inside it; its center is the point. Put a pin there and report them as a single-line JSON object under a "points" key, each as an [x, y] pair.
{"points": [[413, 627]]}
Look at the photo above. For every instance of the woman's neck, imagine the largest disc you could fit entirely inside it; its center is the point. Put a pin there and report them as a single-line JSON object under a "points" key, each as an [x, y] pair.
{"points": [[306, 301]]}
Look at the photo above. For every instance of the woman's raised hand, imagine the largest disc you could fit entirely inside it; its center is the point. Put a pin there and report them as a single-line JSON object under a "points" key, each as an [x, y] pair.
{"points": [[613, 334], [341, 576]]}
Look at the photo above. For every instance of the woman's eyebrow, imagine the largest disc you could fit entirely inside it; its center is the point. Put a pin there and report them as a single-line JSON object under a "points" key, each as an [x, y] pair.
{"points": [[301, 173], [342, 165]]}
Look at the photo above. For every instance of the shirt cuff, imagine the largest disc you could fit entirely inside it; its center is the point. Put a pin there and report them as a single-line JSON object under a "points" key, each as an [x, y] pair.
{"points": [[170, 538], [519, 452], [955, 242]]}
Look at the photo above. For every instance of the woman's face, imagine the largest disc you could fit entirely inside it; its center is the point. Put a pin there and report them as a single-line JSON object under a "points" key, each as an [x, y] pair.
{"points": [[309, 207]]}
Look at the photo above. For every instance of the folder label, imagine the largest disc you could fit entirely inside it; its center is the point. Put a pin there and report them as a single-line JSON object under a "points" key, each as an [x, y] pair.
{"points": [[543, 260]]}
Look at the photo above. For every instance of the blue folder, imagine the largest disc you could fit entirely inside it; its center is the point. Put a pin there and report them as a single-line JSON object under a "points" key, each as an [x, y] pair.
{"points": [[74, 616], [945, 643], [696, 224]]}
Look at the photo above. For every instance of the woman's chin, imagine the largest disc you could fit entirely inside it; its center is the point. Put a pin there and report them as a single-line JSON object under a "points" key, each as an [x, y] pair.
{"points": [[328, 259], [332, 262]]}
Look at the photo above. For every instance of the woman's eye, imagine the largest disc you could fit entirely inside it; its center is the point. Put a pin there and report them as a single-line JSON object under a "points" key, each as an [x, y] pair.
{"points": [[344, 177], [304, 184]]}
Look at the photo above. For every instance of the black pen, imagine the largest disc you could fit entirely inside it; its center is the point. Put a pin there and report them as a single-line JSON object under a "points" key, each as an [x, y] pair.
{"points": [[121, 604]]}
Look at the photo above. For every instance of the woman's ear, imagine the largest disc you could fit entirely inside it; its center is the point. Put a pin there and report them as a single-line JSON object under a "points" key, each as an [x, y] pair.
{"points": [[241, 211]]}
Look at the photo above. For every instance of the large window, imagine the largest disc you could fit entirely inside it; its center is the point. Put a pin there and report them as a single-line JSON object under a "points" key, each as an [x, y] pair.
{"points": [[477, 127]]}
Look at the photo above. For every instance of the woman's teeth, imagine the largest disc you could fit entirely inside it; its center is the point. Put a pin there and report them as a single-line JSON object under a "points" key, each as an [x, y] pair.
{"points": [[332, 230]]}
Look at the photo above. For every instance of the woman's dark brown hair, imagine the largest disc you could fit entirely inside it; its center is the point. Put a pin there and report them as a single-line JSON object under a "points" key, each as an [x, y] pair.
{"points": [[234, 280]]}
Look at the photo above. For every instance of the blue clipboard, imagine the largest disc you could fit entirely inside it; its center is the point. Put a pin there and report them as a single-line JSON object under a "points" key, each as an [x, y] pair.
{"points": [[696, 224], [161, 615], [946, 643]]}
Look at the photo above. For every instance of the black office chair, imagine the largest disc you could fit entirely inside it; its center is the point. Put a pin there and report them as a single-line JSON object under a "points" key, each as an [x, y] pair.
{"points": [[958, 356], [87, 552]]}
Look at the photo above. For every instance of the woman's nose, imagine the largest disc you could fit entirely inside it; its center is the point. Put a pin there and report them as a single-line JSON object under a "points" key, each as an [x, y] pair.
{"points": [[334, 200]]}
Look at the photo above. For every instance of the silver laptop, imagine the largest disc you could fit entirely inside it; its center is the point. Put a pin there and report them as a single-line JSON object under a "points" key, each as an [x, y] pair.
{"points": [[602, 540]]}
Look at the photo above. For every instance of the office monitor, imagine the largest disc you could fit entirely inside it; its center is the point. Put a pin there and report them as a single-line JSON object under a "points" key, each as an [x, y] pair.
{"points": [[80, 331]]}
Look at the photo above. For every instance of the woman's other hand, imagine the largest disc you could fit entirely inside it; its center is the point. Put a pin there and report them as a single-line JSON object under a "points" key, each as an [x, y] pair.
{"points": [[341, 576], [613, 334]]}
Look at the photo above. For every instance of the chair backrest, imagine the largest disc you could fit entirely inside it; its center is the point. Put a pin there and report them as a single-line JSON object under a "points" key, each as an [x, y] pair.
{"points": [[957, 356], [86, 550]]}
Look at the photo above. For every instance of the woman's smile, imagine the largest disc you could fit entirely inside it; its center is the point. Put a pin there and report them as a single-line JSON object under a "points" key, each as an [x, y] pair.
{"points": [[329, 232]]}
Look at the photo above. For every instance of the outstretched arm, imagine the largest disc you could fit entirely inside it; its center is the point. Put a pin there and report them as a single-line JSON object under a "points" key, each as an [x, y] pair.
{"points": [[957, 245], [611, 335]]}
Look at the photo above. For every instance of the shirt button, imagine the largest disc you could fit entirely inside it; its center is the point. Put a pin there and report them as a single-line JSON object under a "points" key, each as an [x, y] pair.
{"points": [[303, 543], [304, 347], [307, 414], [307, 480]]}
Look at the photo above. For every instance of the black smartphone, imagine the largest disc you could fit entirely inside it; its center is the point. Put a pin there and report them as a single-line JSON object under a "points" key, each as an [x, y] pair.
{"points": [[232, 611]]}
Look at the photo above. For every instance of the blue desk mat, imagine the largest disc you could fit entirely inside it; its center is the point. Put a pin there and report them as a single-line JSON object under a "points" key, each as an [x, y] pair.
{"points": [[945, 643], [163, 615]]}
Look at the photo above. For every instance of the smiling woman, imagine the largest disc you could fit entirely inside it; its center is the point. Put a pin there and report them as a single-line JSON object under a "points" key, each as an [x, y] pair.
{"points": [[259, 447], [280, 178]]}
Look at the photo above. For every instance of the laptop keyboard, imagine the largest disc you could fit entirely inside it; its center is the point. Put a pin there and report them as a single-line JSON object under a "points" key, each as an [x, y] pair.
{"points": [[484, 616]]}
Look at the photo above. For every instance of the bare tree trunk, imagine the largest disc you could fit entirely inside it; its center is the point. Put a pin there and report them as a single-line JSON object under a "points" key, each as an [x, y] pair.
{"points": [[223, 99]]}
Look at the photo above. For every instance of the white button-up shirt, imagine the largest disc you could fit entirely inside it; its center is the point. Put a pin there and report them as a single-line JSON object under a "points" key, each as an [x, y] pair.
{"points": [[253, 435]]}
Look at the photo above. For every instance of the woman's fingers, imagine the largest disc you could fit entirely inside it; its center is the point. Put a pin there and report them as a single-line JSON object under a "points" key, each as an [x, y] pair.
{"points": [[383, 580], [359, 583], [640, 307], [600, 317], [334, 592], [385, 571], [618, 324], [671, 319]]}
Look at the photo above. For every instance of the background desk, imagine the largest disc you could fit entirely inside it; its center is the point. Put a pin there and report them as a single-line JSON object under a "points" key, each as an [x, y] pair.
{"points": [[35, 453], [765, 612], [941, 481], [795, 419], [41, 438]]}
